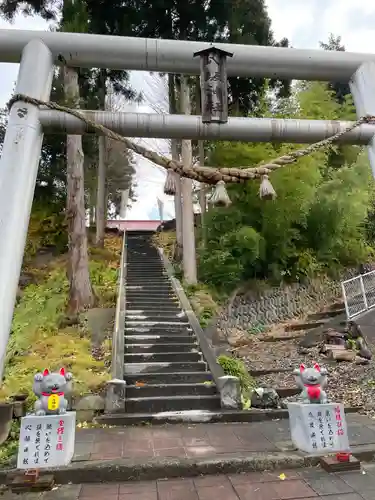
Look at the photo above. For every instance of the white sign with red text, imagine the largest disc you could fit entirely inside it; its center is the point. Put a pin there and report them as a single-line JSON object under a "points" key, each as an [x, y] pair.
{"points": [[46, 441], [318, 428]]}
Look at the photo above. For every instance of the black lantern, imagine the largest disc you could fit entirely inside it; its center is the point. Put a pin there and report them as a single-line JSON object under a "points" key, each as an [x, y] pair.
{"points": [[214, 86]]}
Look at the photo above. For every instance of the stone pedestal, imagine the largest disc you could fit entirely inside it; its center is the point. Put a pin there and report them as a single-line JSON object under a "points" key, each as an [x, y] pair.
{"points": [[318, 428], [46, 441]]}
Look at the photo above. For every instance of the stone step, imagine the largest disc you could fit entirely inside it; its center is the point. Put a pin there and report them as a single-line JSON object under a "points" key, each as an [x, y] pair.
{"points": [[148, 281], [172, 403], [153, 316], [158, 367], [160, 390], [160, 347], [182, 377], [153, 303], [133, 286], [156, 311], [193, 417], [167, 289], [136, 295], [142, 269], [166, 297], [158, 330], [151, 275], [156, 274], [160, 324], [163, 357], [153, 309], [162, 340], [141, 292]]}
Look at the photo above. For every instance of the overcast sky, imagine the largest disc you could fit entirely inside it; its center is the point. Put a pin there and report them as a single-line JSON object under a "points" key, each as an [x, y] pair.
{"points": [[305, 23]]}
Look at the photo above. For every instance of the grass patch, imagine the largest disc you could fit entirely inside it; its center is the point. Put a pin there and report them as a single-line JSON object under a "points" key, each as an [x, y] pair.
{"points": [[9, 449], [167, 241], [37, 341], [202, 302]]}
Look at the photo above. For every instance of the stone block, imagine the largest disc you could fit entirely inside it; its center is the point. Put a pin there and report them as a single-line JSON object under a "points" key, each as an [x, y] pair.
{"points": [[230, 393]]}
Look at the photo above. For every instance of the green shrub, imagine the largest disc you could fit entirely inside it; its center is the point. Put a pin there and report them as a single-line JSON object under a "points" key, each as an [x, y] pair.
{"points": [[236, 368]]}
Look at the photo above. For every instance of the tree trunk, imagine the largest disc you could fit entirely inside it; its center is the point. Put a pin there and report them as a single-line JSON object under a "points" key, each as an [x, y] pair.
{"points": [[101, 207], [124, 203], [92, 207], [81, 294], [188, 232], [174, 151], [101, 204]]}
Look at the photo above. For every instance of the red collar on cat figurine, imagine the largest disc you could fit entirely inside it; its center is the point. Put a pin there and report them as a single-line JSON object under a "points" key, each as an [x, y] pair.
{"points": [[313, 391], [52, 394]]}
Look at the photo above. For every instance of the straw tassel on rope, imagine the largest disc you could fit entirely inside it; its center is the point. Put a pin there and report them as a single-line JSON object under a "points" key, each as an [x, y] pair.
{"points": [[220, 197], [170, 187], [266, 190]]}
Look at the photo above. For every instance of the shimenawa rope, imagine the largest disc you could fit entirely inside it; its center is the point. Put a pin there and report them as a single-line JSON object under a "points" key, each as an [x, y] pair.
{"points": [[208, 175]]}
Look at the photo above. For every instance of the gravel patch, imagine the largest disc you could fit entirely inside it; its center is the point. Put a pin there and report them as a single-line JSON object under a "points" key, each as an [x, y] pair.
{"points": [[349, 383]]}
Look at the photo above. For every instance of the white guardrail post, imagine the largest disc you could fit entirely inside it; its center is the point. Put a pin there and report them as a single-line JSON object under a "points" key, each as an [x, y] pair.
{"points": [[363, 292]]}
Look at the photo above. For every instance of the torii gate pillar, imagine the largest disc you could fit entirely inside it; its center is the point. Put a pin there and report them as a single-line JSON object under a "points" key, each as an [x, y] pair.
{"points": [[19, 167], [362, 86]]}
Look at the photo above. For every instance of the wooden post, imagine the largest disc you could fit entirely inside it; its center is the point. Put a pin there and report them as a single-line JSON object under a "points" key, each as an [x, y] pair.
{"points": [[188, 230]]}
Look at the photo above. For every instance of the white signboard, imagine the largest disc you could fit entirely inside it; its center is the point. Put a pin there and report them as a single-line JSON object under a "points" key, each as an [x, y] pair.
{"points": [[46, 441], [318, 428]]}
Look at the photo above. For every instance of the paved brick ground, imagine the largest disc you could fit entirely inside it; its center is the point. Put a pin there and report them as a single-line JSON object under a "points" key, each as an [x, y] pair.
{"points": [[200, 440], [307, 484]]}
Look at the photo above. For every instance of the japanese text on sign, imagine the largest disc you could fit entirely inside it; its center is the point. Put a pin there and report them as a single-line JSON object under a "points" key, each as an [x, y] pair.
{"points": [[318, 428], [46, 441]]}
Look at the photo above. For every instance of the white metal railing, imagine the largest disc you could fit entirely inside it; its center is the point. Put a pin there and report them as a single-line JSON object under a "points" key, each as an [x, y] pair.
{"points": [[359, 294]]}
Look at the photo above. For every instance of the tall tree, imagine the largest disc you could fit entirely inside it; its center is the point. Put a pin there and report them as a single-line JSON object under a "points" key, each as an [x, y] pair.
{"points": [[81, 294], [3, 124], [99, 21], [341, 91], [109, 84], [74, 18]]}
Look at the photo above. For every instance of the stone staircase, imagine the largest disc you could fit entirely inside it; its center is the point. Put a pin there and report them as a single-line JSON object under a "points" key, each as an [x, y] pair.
{"points": [[164, 368]]}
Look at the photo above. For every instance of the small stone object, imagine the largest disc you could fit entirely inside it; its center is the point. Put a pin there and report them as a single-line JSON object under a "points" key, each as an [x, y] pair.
{"points": [[51, 389], [363, 350], [230, 392], [88, 406], [312, 381], [265, 398]]}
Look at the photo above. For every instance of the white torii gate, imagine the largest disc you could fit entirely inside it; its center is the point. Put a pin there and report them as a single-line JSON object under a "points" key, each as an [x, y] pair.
{"points": [[39, 51]]}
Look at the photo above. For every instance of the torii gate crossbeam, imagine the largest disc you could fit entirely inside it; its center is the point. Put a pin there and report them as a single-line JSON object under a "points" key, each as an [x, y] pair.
{"points": [[176, 56]]}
